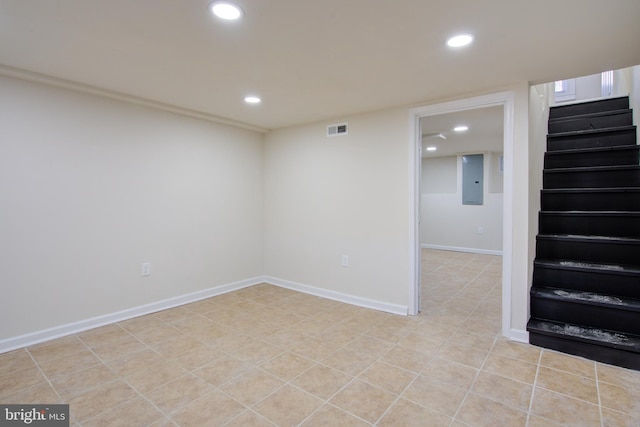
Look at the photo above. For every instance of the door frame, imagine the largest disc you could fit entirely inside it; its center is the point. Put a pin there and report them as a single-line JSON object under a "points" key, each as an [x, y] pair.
{"points": [[506, 100]]}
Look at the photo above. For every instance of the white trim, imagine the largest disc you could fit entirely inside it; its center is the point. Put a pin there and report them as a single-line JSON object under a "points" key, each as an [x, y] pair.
{"points": [[339, 296], [506, 100], [460, 249], [94, 322], [518, 335], [30, 76], [415, 167]]}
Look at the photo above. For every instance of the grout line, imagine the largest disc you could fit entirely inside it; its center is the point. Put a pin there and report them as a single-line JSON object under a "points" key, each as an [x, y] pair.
{"points": [[46, 377], [533, 389], [124, 380], [599, 397], [460, 326], [281, 300]]}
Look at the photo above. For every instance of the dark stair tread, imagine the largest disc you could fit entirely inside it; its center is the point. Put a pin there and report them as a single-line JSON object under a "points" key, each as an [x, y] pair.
{"points": [[622, 135], [589, 115], [585, 132], [588, 266], [593, 150], [585, 107], [595, 120], [594, 223], [590, 298], [591, 190], [591, 198], [593, 169], [614, 339], [585, 238], [592, 213]]}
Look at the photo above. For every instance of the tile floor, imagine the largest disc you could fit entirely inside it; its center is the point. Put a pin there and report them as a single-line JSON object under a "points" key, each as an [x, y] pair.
{"points": [[266, 356]]}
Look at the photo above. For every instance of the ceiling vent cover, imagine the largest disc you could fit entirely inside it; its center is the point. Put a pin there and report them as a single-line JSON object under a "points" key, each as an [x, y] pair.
{"points": [[337, 129]]}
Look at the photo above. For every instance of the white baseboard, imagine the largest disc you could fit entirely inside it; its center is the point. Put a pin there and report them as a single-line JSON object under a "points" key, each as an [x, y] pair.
{"points": [[339, 296], [94, 322], [518, 335], [461, 249]]}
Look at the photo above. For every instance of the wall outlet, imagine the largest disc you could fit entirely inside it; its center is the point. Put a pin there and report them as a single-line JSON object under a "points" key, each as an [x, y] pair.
{"points": [[345, 260], [146, 269], [480, 230]]}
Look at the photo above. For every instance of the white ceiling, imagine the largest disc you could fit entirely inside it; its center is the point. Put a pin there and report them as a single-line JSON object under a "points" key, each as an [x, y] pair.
{"points": [[485, 133], [313, 60]]}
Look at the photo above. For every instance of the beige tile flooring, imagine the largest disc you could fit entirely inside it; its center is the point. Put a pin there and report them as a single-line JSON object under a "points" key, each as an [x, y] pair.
{"points": [[265, 356]]}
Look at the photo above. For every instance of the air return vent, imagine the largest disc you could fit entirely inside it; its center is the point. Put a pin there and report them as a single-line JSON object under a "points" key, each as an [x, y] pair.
{"points": [[337, 129]]}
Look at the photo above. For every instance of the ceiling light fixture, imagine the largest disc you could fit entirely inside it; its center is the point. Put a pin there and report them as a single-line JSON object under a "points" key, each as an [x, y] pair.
{"points": [[461, 128], [252, 99], [432, 148], [226, 10], [460, 40]]}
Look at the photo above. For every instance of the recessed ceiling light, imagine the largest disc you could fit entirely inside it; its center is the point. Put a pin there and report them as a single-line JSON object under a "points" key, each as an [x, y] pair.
{"points": [[460, 40], [252, 99], [226, 10], [461, 128], [432, 148]]}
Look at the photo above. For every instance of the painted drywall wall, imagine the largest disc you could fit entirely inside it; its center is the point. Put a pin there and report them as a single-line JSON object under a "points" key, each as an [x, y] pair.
{"points": [[93, 187], [328, 197], [448, 224], [522, 213], [590, 87], [346, 195], [540, 97], [634, 99], [439, 175], [90, 188]]}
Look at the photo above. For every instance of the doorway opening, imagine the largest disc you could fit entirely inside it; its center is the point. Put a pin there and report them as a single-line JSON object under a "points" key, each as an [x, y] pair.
{"points": [[461, 204], [419, 117]]}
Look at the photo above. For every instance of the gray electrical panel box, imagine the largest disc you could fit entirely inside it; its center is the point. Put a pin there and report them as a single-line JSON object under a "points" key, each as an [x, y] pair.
{"points": [[472, 179]]}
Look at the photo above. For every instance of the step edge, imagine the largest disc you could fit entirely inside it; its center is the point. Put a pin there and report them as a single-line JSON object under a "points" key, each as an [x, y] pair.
{"points": [[592, 190], [611, 168], [619, 111], [615, 301], [531, 327], [621, 269], [592, 213], [585, 132], [594, 101], [586, 238], [592, 150]]}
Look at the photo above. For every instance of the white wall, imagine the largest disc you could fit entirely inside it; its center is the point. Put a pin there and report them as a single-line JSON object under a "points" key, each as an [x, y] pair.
{"points": [[349, 195], [540, 97], [448, 224], [522, 214], [588, 87], [90, 188], [439, 175], [625, 82], [346, 195], [634, 99]]}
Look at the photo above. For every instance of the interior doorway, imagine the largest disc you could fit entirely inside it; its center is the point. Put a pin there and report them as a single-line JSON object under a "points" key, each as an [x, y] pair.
{"points": [[505, 101], [461, 205]]}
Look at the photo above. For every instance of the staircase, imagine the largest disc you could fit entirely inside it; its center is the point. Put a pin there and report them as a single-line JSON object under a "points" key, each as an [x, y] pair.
{"points": [[585, 296]]}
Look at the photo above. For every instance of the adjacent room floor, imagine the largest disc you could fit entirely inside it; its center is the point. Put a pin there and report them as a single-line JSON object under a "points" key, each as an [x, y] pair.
{"points": [[265, 356]]}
